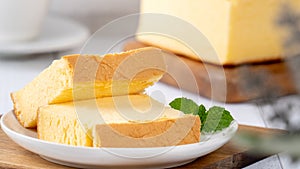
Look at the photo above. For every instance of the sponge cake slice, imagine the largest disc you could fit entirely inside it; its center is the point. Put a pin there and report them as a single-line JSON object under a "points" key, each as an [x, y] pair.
{"points": [[77, 77], [120, 121]]}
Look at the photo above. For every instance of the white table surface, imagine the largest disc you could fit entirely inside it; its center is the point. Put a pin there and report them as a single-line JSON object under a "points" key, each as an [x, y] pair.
{"points": [[16, 72]]}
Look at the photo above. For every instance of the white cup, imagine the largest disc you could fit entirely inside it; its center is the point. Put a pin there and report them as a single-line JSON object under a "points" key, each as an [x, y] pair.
{"points": [[21, 20]]}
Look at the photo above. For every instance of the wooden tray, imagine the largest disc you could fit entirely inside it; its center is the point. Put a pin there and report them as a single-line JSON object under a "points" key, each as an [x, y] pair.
{"points": [[229, 156], [242, 83]]}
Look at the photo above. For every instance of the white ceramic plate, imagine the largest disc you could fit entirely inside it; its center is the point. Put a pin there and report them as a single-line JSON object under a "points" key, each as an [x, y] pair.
{"points": [[84, 157], [57, 34]]}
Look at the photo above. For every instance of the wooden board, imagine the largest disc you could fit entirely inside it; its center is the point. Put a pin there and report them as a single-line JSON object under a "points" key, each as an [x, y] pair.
{"points": [[228, 83], [229, 156]]}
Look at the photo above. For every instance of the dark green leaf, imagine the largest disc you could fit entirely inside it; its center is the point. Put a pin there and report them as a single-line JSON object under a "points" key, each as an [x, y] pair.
{"points": [[217, 119], [202, 114], [187, 106]]}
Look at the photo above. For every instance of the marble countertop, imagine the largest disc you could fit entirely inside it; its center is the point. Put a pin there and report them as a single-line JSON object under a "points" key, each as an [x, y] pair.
{"points": [[16, 72]]}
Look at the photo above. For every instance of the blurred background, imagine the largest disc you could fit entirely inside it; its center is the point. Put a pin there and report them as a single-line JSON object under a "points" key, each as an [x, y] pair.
{"points": [[94, 13], [270, 111]]}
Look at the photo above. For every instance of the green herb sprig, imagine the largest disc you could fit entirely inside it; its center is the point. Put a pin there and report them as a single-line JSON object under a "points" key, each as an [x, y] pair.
{"points": [[214, 119]]}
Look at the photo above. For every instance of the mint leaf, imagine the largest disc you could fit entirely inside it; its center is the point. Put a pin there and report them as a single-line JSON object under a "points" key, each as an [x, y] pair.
{"points": [[202, 114], [225, 121], [215, 119], [187, 106]]}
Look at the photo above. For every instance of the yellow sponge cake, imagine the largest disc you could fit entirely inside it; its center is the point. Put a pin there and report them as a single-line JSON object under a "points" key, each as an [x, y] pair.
{"points": [[61, 126], [77, 77], [120, 121], [240, 31]]}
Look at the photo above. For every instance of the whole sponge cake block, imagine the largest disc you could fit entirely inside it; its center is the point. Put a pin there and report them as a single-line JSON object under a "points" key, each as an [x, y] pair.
{"points": [[247, 31], [77, 77], [111, 121]]}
